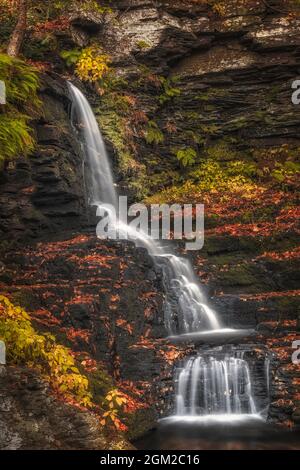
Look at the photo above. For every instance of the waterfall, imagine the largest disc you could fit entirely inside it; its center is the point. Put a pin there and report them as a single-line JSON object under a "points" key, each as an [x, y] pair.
{"points": [[205, 386], [186, 309], [102, 187], [213, 387]]}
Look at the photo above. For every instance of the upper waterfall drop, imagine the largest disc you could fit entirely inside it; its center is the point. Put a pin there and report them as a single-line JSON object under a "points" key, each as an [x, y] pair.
{"points": [[186, 309], [102, 184]]}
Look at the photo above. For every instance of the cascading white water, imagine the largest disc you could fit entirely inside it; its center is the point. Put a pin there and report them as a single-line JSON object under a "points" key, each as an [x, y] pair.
{"points": [[186, 309], [210, 387], [102, 187], [205, 386]]}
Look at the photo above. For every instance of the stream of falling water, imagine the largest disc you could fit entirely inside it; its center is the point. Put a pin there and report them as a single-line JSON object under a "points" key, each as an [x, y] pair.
{"points": [[219, 388], [205, 387]]}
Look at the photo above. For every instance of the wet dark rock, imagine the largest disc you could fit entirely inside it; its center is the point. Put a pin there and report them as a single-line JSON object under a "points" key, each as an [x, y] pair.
{"points": [[85, 19], [32, 418], [45, 191], [101, 293]]}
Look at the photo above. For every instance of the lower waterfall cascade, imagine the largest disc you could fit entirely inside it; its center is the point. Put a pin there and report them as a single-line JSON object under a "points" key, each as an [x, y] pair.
{"points": [[215, 386], [205, 386]]}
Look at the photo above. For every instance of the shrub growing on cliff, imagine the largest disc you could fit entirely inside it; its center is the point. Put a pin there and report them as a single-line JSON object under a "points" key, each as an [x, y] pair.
{"points": [[25, 346], [113, 403], [210, 176], [91, 65], [21, 80]]}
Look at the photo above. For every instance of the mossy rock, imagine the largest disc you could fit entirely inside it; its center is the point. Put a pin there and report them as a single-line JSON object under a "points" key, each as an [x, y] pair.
{"points": [[237, 276], [225, 244], [228, 259], [100, 384], [140, 422]]}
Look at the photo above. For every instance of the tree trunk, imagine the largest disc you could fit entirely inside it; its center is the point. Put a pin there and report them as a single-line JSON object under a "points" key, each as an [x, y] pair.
{"points": [[17, 37]]}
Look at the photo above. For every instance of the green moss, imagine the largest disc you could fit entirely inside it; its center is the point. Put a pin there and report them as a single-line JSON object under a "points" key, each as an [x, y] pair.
{"points": [[228, 259], [237, 124], [191, 116], [143, 45], [156, 180], [113, 118], [211, 175], [222, 245], [139, 423], [221, 151], [211, 95], [38, 49], [209, 129], [91, 6], [238, 276]]}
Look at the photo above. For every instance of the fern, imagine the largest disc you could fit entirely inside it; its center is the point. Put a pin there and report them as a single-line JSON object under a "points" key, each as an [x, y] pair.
{"points": [[186, 156], [15, 137], [169, 91], [21, 82], [153, 134]]}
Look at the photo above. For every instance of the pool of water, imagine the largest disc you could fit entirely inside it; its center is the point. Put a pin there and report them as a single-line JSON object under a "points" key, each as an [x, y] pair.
{"points": [[172, 435]]}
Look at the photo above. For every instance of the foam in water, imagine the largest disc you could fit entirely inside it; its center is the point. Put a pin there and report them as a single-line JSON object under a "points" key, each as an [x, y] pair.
{"points": [[186, 308], [210, 386]]}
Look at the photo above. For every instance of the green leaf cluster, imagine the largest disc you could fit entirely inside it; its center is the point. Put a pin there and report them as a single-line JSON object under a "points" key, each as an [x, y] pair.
{"points": [[169, 90], [186, 156], [153, 135]]}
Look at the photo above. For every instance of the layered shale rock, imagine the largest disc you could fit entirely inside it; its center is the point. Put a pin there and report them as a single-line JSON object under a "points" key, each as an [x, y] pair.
{"points": [[45, 192], [32, 418], [104, 300]]}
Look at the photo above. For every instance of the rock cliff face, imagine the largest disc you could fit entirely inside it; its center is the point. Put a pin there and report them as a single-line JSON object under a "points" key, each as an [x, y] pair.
{"points": [[31, 418], [213, 77], [219, 76], [45, 192], [104, 301]]}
